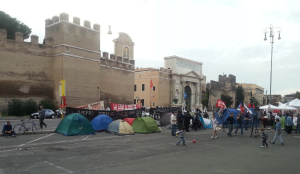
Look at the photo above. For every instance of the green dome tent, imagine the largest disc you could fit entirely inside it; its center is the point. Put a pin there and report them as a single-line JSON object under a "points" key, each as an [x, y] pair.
{"points": [[145, 125], [75, 124]]}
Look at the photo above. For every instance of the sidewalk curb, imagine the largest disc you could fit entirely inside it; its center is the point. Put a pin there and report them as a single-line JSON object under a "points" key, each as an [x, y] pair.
{"points": [[30, 132]]}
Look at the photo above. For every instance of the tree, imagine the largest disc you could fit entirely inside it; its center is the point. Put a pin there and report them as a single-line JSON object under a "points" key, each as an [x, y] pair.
{"points": [[239, 95], [297, 95], [205, 100], [12, 25], [256, 102], [228, 100]]}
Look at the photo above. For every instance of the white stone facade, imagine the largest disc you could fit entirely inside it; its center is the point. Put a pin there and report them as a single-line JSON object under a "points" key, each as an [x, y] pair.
{"points": [[187, 78]]}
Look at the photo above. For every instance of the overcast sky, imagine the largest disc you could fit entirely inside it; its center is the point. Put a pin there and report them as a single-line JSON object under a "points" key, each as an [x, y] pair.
{"points": [[226, 35]]}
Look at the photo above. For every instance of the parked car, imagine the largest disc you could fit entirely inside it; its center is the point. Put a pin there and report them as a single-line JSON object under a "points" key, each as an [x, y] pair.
{"points": [[48, 114]]}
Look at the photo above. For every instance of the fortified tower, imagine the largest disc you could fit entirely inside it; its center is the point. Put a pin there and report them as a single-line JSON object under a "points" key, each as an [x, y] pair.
{"points": [[124, 46]]}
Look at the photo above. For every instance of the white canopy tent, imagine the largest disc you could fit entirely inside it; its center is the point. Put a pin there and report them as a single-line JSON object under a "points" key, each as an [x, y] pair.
{"points": [[272, 107], [294, 103]]}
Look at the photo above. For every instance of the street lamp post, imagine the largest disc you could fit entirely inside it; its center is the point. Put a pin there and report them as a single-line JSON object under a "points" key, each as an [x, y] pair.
{"points": [[272, 34]]}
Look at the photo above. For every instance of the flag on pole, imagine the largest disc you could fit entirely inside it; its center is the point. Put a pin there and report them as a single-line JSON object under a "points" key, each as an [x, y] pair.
{"points": [[220, 104], [151, 84], [249, 106], [248, 110], [253, 106], [241, 107]]}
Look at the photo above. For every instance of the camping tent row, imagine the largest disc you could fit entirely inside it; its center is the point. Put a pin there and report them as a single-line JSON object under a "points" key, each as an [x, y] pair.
{"points": [[76, 124]]}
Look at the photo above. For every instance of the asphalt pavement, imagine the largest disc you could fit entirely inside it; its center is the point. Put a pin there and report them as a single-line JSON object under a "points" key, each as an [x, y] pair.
{"points": [[54, 153]]}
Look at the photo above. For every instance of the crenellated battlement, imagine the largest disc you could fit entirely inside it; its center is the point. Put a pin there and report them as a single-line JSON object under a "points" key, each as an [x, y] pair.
{"points": [[111, 60], [64, 17]]}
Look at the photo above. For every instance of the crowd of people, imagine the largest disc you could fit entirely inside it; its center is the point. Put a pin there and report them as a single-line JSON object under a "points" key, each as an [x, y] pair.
{"points": [[184, 122]]}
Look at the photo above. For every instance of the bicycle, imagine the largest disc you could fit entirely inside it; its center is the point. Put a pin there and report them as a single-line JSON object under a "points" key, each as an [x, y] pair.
{"points": [[21, 128]]}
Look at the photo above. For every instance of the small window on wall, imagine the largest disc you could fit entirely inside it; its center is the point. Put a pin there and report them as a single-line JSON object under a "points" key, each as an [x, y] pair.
{"points": [[153, 88], [153, 104], [134, 87], [142, 102], [134, 101], [143, 87]]}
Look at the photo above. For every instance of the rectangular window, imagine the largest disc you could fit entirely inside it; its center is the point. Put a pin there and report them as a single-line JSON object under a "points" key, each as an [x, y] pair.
{"points": [[134, 87], [142, 102], [153, 88], [153, 104], [134, 101], [143, 87]]}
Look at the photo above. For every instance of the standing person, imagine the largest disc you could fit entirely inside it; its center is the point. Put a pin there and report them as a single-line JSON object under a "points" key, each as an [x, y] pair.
{"points": [[179, 119], [187, 121], [277, 133], [42, 117], [277, 117], [214, 122], [240, 119], [7, 130], [247, 119], [289, 124], [173, 123], [181, 135], [264, 137], [195, 121], [298, 124], [260, 114], [230, 121], [205, 115]]}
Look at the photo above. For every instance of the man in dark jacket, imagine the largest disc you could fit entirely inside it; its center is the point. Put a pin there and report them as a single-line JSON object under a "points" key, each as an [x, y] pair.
{"points": [[187, 121], [240, 119], [230, 121], [179, 120], [42, 117], [7, 130]]}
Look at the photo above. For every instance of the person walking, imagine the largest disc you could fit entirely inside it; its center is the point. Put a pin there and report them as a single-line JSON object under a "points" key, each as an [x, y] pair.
{"points": [[179, 119], [240, 119], [298, 124], [173, 123], [42, 117], [277, 133], [214, 122], [187, 121], [247, 119], [195, 121], [181, 135], [264, 137], [230, 121], [289, 124]]}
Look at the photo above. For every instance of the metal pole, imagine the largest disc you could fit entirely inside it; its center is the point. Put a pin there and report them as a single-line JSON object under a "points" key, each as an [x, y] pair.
{"points": [[271, 72]]}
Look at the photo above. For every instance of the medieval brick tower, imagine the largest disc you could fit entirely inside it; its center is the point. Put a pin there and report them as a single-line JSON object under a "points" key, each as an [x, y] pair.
{"points": [[71, 52]]}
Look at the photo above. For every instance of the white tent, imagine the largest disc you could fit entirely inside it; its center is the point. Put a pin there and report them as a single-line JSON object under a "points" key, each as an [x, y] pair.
{"points": [[294, 103], [272, 107]]}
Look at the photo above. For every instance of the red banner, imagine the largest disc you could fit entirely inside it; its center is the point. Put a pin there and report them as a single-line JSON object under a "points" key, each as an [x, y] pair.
{"points": [[121, 107], [93, 106]]}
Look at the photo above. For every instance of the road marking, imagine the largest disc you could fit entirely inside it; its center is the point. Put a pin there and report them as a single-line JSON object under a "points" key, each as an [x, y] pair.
{"points": [[86, 137], [37, 139], [61, 168]]}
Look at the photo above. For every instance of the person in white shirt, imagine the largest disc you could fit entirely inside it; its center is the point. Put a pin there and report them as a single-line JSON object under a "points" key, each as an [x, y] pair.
{"points": [[214, 122], [173, 121]]}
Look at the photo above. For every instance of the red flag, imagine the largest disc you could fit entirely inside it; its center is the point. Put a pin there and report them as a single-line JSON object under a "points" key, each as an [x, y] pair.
{"points": [[151, 84], [242, 108], [249, 106], [220, 104], [253, 106]]}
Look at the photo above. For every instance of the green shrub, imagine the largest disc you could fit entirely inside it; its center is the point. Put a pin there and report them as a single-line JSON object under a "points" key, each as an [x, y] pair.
{"points": [[30, 107], [16, 107], [47, 104]]}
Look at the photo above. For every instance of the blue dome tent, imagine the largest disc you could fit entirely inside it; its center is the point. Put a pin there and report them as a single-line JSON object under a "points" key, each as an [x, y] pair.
{"points": [[101, 122]]}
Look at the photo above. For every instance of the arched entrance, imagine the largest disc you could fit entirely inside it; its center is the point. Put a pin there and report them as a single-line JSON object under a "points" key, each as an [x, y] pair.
{"points": [[187, 101]]}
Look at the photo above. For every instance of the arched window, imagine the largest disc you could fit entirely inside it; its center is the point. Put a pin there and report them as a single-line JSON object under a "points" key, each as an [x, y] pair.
{"points": [[126, 52]]}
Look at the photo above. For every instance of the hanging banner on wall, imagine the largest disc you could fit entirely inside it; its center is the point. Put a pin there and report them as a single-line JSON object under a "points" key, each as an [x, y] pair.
{"points": [[93, 106], [121, 107]]}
